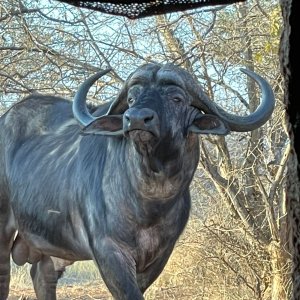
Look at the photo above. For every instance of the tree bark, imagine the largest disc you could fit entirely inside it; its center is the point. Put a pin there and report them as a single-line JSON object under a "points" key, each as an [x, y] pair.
{"points": [[288, 55], [279, 283]]}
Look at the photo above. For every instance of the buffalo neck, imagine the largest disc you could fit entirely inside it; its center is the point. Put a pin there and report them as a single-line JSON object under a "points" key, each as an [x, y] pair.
{"points": [[163, 171], [132, 186]]}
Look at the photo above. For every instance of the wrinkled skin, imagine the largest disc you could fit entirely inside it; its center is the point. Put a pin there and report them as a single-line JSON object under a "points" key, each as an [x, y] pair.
{"points": [[75, 194]]}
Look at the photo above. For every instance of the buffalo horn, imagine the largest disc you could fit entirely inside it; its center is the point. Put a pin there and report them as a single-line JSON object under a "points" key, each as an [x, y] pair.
{"points": [[242, 123], [80, 110]]}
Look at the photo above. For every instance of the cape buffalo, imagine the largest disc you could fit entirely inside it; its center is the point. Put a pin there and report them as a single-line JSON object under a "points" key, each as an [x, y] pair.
{"points": [[109, 184]]}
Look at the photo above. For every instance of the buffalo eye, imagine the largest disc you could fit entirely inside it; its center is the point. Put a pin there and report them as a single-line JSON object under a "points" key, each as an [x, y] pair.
{"points": [[130, 100], [174, 93], [177, 99]]}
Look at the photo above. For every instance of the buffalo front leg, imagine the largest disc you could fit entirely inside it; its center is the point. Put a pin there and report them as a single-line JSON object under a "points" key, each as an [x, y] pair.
{"points": [[147, 277], [118, 271], [6, 240], [44, 278]]}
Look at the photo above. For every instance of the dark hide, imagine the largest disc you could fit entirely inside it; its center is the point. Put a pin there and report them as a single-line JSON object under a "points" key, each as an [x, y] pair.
{"points": [[121, 201]]}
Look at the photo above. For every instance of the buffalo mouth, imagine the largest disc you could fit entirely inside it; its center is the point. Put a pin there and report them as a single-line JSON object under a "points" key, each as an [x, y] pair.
{"points": [[145, 142], [141, 136]]}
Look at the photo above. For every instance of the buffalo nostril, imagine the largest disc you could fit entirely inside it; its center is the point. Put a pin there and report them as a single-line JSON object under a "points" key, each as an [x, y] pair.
{"points": [[127, 118], [148, 119]]}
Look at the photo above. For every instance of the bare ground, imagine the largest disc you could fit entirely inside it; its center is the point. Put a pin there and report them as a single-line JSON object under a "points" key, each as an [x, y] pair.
{"points": [[82, 292]]}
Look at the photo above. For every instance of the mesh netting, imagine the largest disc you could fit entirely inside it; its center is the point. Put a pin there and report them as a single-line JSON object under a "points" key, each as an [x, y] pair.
{"points": [[137, 9]]}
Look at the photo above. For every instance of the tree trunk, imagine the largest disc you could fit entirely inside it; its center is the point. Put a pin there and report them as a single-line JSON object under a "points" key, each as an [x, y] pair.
{"points": [[280, 272], [288, 54]]}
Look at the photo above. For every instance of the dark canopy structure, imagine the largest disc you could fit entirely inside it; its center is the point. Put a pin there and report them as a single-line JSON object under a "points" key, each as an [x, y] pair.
{"points": [[138, 9], [289, 55]]}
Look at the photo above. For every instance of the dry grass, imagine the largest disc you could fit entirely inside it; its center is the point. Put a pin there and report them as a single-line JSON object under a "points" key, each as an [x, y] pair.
{"points": [[80, 281], [188, 275]]}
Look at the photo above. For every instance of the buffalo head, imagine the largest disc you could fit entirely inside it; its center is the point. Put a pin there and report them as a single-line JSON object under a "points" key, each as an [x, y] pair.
{"points": [[160, 101]]}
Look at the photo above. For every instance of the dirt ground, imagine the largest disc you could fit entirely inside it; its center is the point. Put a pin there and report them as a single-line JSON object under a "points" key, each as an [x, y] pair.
{"points": [[83, 292]]}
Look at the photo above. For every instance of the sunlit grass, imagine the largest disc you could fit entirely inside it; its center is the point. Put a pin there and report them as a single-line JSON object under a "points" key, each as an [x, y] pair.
{"points": [[80, 273], [193, 272]]}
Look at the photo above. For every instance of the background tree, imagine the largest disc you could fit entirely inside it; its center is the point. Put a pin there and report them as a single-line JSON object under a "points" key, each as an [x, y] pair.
{"points": [[236, 239]]}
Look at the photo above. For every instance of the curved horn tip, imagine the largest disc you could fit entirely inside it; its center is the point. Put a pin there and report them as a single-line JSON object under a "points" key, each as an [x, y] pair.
{"points": [[247, 71], [103, 72], [80, 110], [106, 70], [250, 73], [244, 70], [92, 79]]}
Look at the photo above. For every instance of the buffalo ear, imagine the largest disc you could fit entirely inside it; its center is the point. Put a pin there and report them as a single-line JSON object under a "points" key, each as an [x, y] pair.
{"points": [[105, 125], [209, 124]]}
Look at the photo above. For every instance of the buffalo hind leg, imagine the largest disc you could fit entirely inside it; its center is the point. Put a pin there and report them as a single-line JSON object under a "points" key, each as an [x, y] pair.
{"points": [[7, 232], [44, 278]]}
